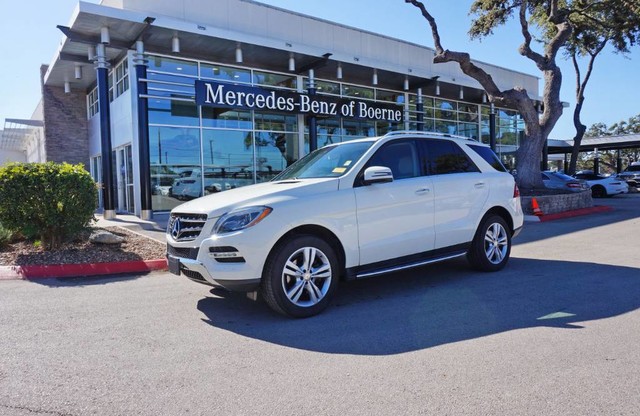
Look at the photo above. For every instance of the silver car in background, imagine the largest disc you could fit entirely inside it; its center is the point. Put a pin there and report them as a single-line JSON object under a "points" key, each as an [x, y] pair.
{"points": [[560, 181]]}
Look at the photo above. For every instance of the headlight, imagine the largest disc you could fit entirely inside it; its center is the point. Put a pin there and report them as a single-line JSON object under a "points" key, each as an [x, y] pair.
{"points": [[240, 219]]}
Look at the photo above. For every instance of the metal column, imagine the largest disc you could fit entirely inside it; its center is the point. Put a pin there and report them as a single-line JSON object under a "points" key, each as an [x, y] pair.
{"points": [[420, 111], [108, 191], [146, 212], [492, 127], [313, 130]]}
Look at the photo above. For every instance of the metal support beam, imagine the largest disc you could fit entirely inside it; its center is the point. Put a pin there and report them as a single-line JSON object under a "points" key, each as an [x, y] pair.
{"points": [[420, 111], [146, 212], [492, 127], [313, 130], [108, 189]]}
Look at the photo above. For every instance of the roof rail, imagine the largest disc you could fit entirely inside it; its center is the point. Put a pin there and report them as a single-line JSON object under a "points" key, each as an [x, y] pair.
{"points": [[428, 133]]}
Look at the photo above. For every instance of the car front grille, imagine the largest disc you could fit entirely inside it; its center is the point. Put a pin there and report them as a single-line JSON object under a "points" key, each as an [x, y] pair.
{"points": [[193, 275], [183, 252], [186, 227]]}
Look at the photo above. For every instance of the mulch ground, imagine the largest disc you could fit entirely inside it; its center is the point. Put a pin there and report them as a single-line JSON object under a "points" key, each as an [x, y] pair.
{"points": [[81, 251]]}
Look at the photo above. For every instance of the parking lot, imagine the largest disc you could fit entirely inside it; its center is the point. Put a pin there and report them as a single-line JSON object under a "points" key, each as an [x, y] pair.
{"points": [[557, 332]]}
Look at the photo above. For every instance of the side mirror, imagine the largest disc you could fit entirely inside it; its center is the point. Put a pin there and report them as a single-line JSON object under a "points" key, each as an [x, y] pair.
{"points": [[377, 174]]}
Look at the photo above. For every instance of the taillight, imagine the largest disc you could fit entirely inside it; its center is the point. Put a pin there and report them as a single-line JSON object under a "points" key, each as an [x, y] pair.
{"points": [[516, 191], [574, 185]]}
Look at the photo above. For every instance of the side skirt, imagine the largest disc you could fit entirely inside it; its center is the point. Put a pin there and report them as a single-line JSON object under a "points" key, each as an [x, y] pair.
{"points": [[407, 262]]}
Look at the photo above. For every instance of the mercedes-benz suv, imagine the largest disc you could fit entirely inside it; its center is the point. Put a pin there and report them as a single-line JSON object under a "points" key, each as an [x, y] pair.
{"points": [[631, 175], [347, 211]]}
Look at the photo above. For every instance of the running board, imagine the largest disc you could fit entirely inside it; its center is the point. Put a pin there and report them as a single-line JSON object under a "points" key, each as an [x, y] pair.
{"points": [[409, 265]]}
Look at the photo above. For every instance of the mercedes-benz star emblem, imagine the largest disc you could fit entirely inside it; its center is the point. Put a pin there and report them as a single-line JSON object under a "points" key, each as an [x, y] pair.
{"points": [[175, 228]]}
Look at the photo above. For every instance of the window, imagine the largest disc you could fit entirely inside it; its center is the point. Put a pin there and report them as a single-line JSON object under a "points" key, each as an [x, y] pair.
{"points": [[401, 157], [122, 78], [444, 157], [275, 80], [92, 103], [225, 73], [490, 157]]}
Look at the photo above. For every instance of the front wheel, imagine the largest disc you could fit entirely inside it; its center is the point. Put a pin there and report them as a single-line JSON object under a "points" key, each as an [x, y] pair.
{"points": [[300, 276], [491, 245]]}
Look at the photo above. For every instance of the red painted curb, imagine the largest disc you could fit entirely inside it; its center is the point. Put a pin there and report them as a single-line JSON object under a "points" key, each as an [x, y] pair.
{"points": [[77, 270], [575, 213]]}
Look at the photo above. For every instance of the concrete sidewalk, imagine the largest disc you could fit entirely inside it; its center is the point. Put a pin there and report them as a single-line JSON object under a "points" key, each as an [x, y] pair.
{"points": [[153, 229]]}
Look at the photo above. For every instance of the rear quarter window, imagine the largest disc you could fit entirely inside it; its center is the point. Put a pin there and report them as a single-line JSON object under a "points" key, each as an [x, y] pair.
{"points": [[489, 156]]}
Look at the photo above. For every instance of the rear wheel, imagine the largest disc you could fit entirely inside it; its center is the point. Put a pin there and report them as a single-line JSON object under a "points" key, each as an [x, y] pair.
{"points": [[598, 191], [300, 277], [491, 245]]}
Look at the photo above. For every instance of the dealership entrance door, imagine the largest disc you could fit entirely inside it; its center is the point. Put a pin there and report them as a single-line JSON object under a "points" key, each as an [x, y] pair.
{"points": [[124, 162]]}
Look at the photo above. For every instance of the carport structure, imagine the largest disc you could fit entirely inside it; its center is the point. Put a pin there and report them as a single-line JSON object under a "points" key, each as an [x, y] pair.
{"points": [[594, 144]]}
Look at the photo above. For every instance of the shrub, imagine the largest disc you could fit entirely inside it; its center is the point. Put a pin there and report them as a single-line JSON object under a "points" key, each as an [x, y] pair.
{"points": [[46, 200], [6, 236]]}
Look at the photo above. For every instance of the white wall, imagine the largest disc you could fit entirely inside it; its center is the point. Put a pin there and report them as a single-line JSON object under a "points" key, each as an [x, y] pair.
{"points": [[7, 156]]}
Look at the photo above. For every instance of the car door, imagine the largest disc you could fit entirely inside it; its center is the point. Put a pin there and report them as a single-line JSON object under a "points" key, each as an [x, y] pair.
{"points": [[460, 192], [395, 219]]}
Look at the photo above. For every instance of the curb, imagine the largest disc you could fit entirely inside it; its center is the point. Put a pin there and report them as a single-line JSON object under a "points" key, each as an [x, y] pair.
{"points": [[568, 214], [78, 270]]}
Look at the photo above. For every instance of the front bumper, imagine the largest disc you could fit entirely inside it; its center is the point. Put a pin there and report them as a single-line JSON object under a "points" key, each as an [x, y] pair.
{"points": [[196, 271]]}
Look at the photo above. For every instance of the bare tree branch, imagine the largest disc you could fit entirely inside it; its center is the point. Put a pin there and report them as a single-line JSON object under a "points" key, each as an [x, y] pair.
{"points": [[464, 60], [432, 23], [525, 48]]}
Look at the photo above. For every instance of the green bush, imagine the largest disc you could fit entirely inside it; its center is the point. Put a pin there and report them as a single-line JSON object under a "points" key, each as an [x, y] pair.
{"points": [[48, 201], [6, 236]]}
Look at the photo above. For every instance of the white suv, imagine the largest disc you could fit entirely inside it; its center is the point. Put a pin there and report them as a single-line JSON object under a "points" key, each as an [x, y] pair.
{"points": [[348, 211]]}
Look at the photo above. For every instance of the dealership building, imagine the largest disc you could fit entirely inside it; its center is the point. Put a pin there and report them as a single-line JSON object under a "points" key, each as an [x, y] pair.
{"points": [[167, 100]]}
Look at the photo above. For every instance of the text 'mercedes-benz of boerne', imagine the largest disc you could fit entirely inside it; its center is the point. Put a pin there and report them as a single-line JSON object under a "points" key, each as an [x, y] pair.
{"points": [[169, 100]]}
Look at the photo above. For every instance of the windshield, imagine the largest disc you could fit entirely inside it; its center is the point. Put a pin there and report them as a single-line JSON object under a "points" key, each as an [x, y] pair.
{"points": [[328, 162]]}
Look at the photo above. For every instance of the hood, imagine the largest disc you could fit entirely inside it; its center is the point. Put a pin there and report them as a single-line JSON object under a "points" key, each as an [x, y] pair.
{"points": [[268, 193]]}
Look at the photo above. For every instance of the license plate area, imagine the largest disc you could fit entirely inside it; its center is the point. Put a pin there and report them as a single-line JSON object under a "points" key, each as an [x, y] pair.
{"points": [[174, 265]]}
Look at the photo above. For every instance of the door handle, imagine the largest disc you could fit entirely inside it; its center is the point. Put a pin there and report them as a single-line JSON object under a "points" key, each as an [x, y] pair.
{"points": [[423, 191], [479, 185]]}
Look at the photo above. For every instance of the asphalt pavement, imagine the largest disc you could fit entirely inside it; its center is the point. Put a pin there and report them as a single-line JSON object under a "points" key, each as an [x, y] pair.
{"points": [[557, 332]]}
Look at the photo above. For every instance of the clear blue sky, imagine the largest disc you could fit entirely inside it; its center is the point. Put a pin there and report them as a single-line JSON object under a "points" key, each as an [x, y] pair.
{"points": [[29, 38]]}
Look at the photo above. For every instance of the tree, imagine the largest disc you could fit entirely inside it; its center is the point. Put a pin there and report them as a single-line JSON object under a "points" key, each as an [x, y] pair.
{"points": [[592, 31], [553, 17]]}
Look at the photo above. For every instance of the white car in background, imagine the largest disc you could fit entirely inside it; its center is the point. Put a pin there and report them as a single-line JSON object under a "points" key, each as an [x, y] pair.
{"points": [[603, 186], [348, 211]]}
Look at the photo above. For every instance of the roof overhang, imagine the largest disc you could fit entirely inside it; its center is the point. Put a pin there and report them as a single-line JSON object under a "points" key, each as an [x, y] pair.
{"points": [[590, 144], [217, 45], [17, 132]]}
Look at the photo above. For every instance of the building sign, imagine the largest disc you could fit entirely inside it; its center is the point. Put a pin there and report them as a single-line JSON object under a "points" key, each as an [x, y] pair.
{"points": [[220, 94]]}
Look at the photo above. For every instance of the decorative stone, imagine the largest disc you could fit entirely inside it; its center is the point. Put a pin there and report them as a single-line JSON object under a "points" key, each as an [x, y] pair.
{"points": [[105, 237], [553, 204]]}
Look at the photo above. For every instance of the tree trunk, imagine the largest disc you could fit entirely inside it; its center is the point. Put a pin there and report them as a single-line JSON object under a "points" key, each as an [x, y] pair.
{"points": [[577, 140]]}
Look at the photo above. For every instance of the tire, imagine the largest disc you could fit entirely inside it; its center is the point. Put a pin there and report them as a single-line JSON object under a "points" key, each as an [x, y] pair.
{"points": [[293, 287], [598, 191], [491, 245]]}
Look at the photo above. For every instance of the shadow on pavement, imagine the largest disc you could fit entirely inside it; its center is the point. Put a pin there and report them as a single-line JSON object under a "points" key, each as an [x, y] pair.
{"points": [[87, 280], [437, 305]]}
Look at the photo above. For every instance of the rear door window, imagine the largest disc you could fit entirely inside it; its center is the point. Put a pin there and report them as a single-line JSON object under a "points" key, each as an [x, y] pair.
{"points": [[441, 157]]}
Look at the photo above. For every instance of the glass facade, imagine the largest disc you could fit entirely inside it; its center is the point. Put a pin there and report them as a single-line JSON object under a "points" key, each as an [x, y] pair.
{"points": [[195, 151]]}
